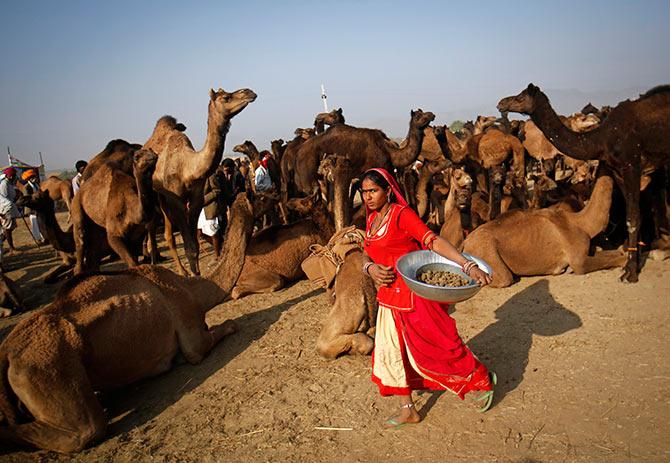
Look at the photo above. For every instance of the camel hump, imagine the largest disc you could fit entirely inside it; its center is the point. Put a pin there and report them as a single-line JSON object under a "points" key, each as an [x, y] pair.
{"points": [[655, 91], [169, 122], [117, 144]]}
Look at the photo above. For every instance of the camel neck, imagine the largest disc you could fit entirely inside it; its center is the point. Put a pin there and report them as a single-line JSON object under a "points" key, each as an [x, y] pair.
{"points": [[403, 157], [145, 193], [594, 217], [577, 145], [456, 146], [49, 226], [211, 154], [229, 267]]}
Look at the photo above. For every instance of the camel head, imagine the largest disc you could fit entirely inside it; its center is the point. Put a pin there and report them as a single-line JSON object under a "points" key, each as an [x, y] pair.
{"points": [[227, 105], [484, 122], [463, 186], [304, 133], [39, 201], [583, 122], [334, 166], [524, 103], [304, 206], [421, 120], [332, 118], [247, 148], [144, 162], [264, 203]]}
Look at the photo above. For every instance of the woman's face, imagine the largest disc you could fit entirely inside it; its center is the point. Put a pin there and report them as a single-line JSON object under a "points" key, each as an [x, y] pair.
{"points": [[374, 196]]}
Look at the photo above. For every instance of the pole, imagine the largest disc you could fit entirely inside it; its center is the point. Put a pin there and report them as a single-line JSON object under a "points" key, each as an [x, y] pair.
{"points": [[41, 161], [29, 230], [9, 156], [324, 98]]}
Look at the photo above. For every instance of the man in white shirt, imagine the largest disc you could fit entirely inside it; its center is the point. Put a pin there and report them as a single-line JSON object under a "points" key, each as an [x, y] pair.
{"points": [[262, 177], [76, 180]]}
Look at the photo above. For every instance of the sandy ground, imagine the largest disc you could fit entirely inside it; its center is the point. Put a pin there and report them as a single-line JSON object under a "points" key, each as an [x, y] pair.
{"points": [[581, 361]]}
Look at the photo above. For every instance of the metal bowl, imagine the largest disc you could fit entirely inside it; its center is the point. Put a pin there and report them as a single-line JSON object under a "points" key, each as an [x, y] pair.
{"points": [[413, 263]]}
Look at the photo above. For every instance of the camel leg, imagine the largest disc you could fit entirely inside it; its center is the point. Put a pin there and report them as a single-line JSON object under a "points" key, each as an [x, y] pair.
{"points": [[196, 340], [256, 280], [52, 276], [601, 260], [631, 189], [119, 246], [68, 417], [331, 345], [487, 251], [78, 234], [172, 245]]}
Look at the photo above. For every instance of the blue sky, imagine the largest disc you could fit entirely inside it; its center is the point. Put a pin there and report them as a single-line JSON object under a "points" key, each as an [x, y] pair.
{"points": [[77, 74]]}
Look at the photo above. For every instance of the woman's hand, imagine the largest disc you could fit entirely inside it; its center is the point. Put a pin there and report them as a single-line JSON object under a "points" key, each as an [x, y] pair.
{"points": [[480, 276], [382, 274]]}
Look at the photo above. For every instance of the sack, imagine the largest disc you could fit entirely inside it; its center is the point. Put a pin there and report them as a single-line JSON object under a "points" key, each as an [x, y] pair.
{"points": [[323, 264]]}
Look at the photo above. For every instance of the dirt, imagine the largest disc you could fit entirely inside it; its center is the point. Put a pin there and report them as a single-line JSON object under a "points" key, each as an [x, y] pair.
{"points": [[582, 364]]}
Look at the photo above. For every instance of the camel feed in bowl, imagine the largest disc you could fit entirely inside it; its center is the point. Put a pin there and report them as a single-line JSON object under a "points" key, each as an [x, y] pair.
{"points": [[414, 264], [441, 275]]}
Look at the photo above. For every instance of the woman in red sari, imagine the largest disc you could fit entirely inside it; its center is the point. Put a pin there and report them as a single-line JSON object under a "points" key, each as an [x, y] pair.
{"points": [[417, 345]]}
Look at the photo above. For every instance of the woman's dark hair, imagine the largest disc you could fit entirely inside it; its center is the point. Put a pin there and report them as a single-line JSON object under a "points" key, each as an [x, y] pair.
{"points": [[379, 180]]}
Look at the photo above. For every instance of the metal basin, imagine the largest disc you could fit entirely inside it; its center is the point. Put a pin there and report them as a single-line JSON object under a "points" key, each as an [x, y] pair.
{"points": [[413, 263]]}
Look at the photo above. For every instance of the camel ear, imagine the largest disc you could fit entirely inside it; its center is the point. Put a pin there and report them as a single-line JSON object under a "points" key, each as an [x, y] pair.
{"points": [[212, 93], [532, 89], [411, 112]]}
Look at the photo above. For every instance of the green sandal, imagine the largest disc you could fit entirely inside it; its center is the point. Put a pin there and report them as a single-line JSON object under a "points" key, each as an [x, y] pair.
{"points": [[487, 395], [394, 424]]}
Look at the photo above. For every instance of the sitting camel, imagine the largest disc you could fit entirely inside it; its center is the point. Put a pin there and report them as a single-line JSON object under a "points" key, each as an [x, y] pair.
{"points": [[275, 253], [349, 326], [58, 189], [545, 241], [104, 331], [118, 203]]}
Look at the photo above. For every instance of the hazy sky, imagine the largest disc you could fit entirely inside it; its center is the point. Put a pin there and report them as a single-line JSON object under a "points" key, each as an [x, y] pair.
{"points": [[76, 74]]}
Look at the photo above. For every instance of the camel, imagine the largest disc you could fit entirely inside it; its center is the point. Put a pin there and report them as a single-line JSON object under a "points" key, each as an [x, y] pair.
{"points": [[335, 169], [58, 189], [288, 162], [457, 203], [275, 253], [545, 241], [11, 302], [631, 141], [117, 151], [55, 360], [120, 204], [349, 326], [332, 118], [485, 151], [278, 147], [62, 241], [365, 148], [181, 171]]}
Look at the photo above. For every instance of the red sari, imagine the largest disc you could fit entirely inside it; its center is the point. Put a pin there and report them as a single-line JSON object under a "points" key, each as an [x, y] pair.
{"points": [[417, 345]]}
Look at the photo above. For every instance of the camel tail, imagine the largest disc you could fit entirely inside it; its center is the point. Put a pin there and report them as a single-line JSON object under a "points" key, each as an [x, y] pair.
{"points": [[237, 237], [8, 406], [594, 217]]}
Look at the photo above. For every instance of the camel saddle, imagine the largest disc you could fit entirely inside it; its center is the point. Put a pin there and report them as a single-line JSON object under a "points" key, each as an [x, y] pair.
{"points": [[323, 264]]}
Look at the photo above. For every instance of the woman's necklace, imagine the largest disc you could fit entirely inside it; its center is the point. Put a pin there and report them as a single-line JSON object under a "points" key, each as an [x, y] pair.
{"points": [[379, 224]]}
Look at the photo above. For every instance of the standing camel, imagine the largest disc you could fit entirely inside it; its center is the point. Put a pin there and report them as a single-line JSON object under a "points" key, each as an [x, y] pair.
{"points": [[632, 140], [181, 171], [105, 331], [121, 204], [288, 162]]}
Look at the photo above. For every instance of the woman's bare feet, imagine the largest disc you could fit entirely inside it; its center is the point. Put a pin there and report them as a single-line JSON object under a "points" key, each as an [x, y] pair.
{"points": [[407, 415]]}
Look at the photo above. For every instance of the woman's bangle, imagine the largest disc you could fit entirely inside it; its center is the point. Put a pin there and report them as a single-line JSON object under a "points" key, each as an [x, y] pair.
{"points": [[468, 266], [366, 267]]}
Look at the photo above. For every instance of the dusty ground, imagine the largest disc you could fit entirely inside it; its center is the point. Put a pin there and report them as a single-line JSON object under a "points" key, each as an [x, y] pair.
{"points": [[581, 360]]}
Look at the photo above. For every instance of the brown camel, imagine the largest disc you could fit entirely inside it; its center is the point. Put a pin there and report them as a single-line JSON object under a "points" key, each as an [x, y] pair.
{"points": [[105, 331], [58, 189], [181, 171], [121, 204], [119, 152], [332, 118], [274, 255], [62, 241], [545, 241], [631, 141], [11, 302], [288, 162], [349, 326], [278, 147], [365, 148], [457, 203], [335, 169]]}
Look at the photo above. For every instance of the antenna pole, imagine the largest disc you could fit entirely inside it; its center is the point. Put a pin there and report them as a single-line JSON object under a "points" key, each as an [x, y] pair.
{"points": [[324, 98]]}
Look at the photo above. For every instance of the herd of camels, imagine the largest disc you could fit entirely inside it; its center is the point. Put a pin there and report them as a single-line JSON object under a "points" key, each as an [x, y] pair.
{"points": [[529, 197]]}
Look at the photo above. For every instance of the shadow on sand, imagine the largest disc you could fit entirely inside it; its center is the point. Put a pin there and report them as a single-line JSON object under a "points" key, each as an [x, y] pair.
{"points": [[504, 346]]}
